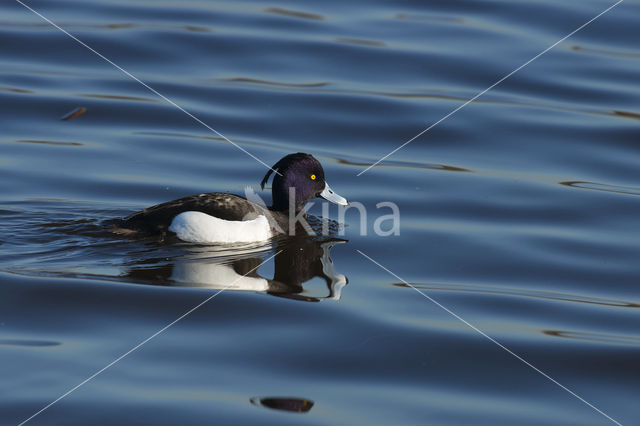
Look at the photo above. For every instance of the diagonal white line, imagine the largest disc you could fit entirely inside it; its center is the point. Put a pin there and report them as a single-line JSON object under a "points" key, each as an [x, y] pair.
{"points": [[136, 347], [492, 340], [492, 86], [151, 89]]}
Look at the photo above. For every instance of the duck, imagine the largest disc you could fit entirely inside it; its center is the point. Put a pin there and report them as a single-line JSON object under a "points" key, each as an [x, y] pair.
{"points": [[218, 217]]}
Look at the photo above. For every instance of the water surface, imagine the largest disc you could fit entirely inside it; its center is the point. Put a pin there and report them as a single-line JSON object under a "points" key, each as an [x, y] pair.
{"points": [[519, 213]]}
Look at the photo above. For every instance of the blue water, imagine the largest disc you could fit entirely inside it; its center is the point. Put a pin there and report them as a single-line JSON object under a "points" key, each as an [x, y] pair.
{"points": [[518, 213]]}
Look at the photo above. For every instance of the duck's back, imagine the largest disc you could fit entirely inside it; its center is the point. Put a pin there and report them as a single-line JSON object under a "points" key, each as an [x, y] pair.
{"points": [[158, 218]]}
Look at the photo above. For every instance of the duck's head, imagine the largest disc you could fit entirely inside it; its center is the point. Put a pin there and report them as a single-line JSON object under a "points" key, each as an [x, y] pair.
{"points": [[305, 175]]}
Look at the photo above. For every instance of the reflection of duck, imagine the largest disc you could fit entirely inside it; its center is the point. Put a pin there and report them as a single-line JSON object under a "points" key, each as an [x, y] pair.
{"points": [[300, 259], [218, 217]]}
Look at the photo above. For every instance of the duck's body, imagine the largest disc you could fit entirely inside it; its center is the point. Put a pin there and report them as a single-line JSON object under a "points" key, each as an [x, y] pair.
{"points": [[226, 218], [211, 217]]}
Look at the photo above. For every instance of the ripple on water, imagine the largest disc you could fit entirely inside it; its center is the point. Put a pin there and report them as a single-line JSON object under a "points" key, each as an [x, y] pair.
{"points": [[533, 237], [595, 186]]}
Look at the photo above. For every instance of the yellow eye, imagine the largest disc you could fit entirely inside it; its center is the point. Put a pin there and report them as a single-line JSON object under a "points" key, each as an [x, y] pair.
{"points": [[313, 177]]}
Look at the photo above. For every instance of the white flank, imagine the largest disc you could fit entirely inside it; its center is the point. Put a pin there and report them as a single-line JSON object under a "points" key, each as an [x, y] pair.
{"points": [[198, 227]]}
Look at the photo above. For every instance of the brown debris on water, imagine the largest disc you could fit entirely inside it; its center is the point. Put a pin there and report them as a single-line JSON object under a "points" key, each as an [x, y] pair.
{"points": [[77, 112]]}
